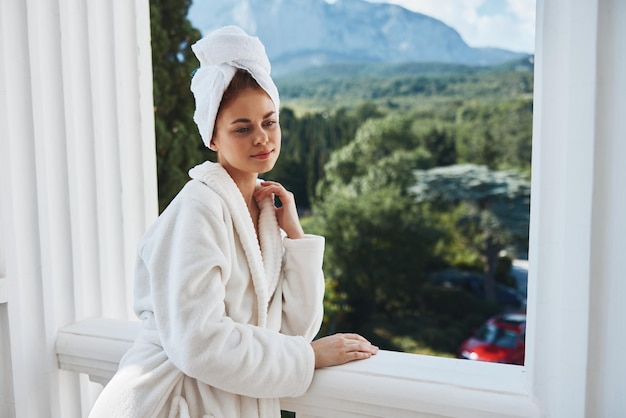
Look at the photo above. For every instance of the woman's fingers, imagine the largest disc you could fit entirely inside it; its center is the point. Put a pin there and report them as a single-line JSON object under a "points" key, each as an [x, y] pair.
{"points": [[266, 187], [341, 348], [269, 188], [287, 214], [355, 337]]}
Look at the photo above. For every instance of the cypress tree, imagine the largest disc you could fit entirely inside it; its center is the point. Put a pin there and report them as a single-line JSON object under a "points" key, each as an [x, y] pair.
{"points": [[178, 143]]}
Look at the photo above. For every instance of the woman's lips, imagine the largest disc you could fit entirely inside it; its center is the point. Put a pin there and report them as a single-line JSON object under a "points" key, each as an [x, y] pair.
{"points": [[263, 155]]}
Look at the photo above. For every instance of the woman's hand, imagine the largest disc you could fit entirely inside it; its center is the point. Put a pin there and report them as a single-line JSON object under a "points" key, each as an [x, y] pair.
{"points": [[341, 348], [287, 214]]}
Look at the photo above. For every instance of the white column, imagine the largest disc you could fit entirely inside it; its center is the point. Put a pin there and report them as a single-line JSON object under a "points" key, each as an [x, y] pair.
{"points": [[563, 148], [78, 178], [7, 403], [20, 218], [607, 337], [578, 232]]}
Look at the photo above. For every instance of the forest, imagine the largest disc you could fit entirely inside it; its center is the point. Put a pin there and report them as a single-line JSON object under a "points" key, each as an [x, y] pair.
{"points": [[411, 171]]}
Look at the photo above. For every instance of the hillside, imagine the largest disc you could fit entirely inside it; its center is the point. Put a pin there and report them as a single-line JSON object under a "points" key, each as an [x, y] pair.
{"points": [[403, 86]]}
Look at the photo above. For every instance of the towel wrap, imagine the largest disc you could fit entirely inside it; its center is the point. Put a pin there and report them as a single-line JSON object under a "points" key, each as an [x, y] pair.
{"points": [[221, 53]]}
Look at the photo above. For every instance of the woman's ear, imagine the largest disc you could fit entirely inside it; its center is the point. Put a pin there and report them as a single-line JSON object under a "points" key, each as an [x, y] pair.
{"points": [[212, 145]]}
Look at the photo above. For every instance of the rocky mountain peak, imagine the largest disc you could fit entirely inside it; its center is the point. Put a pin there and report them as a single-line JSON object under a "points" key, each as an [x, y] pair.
{"points": [[303, 33]]}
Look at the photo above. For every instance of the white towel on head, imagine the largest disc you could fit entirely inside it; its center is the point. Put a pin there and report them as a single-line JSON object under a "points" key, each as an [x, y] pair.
{"points": [[220, 54]]}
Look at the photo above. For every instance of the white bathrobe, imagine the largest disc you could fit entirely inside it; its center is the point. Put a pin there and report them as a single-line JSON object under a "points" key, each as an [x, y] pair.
{"points": [[227, 323]]}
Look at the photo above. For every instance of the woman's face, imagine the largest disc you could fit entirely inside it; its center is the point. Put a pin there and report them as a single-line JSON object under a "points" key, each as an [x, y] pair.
{"points": [[247, 134]]}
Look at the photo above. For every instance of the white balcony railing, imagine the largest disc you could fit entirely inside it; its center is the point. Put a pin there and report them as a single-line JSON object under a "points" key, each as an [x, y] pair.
{"points": [[389, 384]]}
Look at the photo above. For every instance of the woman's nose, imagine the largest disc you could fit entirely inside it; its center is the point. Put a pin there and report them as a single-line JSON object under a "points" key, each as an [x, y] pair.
{"points": [[261, 137]]}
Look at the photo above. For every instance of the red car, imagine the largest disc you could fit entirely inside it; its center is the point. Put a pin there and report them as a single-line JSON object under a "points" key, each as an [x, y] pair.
{"points": [[501, 340]]}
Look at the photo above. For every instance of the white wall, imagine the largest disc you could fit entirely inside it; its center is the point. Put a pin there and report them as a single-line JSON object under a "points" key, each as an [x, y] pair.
{"points": [[78, 183]]}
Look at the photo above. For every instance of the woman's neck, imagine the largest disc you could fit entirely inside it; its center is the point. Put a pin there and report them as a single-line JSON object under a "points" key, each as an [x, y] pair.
{"points": [[246, 187], [246, 183]]}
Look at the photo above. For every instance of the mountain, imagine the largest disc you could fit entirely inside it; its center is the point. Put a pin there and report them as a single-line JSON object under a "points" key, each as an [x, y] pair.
{"points": [[300, 34]]}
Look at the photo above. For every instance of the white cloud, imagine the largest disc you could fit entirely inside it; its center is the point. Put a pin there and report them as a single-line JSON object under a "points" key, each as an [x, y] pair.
{"points": [[511, 25]]}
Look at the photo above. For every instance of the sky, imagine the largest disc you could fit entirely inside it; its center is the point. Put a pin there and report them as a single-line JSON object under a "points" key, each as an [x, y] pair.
{"points": [[508, 24]]}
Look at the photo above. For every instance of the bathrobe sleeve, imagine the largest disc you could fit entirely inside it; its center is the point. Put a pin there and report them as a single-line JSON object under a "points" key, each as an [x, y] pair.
{"points": [[303, 286], [186, 258]]}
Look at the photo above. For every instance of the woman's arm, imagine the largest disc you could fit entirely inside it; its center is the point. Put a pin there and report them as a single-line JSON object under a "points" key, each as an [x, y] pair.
{"points": [[187, 257], [302, 286]]}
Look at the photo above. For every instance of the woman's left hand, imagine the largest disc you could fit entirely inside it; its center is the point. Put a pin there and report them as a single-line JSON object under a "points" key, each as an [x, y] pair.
{"points": [[287, 214]]}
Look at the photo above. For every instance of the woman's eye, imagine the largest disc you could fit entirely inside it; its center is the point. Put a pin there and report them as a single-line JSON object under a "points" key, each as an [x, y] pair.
{"points": [[270, 123], [242, 130]]}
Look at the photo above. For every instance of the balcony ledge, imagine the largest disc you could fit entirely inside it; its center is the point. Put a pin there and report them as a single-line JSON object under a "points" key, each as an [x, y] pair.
{"points": [[95, 346], [389, 384]]}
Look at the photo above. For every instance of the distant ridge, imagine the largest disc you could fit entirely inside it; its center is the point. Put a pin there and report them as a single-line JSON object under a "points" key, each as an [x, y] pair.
{"points": [[300, 34], [391, 83], [393, 69]]}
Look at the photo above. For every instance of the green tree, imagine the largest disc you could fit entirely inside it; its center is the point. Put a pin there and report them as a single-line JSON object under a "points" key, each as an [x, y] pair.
{"points": [[379, 246], [380, 243], [178, 143], [498, 135], [496, 207], [307, 143], [440, 143], [375, 141]]}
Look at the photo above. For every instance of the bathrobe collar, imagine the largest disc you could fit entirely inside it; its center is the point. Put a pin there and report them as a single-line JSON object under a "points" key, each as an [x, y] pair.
{"points": [[264, 260]]}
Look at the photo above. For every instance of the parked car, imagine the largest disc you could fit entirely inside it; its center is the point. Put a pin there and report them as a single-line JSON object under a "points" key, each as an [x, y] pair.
{"points": [[502, 339], [507, 297]]}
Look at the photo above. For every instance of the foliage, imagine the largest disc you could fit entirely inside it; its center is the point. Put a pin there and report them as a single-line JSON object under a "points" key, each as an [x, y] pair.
{"points": [[495, 135], [383, 151], [307, 143], [495, 206], [404, 85], [493, 128], [379, 242], [178, 143], [382, 242], [505, 195], [379, 246], [445, 317]]}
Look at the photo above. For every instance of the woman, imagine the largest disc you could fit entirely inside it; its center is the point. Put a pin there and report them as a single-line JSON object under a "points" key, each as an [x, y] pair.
{"points": [[228, 287]]}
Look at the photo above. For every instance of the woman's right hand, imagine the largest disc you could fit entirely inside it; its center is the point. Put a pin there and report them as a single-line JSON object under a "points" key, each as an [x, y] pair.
{"points": [[341, 348]]}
